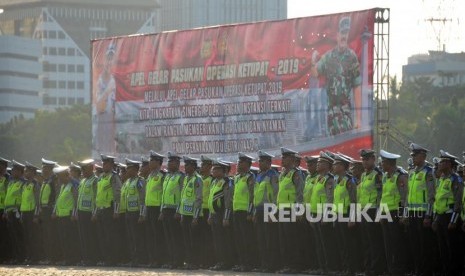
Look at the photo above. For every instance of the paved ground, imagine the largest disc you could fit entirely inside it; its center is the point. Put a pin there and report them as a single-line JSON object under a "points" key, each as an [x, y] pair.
{"points": [[106, 271]]}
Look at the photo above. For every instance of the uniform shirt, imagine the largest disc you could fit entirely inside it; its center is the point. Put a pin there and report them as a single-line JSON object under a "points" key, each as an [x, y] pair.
{"points": [[198, 193], [36, 188], [430, 187], [53, 182], [329, 186], [351, 186], [457, 192], [115, 182], [74, 191], [402, 185], [250, 186], [180, 184], [298, 183]]}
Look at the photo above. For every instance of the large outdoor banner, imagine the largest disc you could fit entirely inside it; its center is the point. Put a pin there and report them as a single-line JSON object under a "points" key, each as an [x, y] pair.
{"points": [[304, 83]]}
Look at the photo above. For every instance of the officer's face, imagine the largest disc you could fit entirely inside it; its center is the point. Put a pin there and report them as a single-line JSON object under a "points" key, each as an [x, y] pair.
{"points": [[132, 171], [217, 172], [339, 168], [173, 165], [87, 170], [144, 170], [154, 164], [17, 172], [75, 173], [190, 168], [311, 167], [287, 161], [243, 166], [30, 173], [418, 158], [264, 164], [63, 177], [368, 162], [322, 166], [107, 166], [356, 169], [3, 167], [206, 168], [445, 165], [47, 171]]}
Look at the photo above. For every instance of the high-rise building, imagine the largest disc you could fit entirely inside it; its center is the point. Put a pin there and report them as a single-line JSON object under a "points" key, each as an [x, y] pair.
{"points": [[19, 77], [64, 29]]}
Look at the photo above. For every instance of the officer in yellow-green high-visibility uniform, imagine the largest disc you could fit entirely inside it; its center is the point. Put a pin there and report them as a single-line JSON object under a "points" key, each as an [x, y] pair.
{"points": [[241, 198], [107, 212], [216, 204], [5, 248], [134, 204], [65, 213], [154, 228], [345, 197], [322, 195], [265, 191], [393, 202], [290, 191], [29, 214], [206, 253], [11, 213], [368, 196], [190, 209], [48, 227], [170, 200], [87, 193], [447, 208], [421, 190]]}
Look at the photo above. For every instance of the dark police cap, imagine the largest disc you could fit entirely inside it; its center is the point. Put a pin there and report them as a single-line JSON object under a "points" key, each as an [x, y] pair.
{"points": [[264, 155], [325, 157], [17, 164], [205, 159], [364, 153], [444, 155], [50, 163], [341, 159], [243, 156], [87, 162], [311, 158], [288, 152], [173, 156]]}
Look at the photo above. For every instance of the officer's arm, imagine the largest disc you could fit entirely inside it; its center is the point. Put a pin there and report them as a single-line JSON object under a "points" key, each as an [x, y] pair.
{"points": [[37, 197], [431, 191], [74, 190], [299, 187], [198, 197], [352, 190], [250, 186], [141, 189], [457, 191], [379, 187], [228, 199], [274, 180], [329, 190], [94, 187], [402, 187], [181, 186], [116, 186]]}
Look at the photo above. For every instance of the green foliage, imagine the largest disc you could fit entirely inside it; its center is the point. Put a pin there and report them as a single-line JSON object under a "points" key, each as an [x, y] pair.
{"points": [[63, 136], [428, 115]]}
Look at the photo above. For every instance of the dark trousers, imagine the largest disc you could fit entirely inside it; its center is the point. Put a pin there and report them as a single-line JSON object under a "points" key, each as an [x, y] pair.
{"points": [[288, 242], [31, 238], [135, 238], [243, 232], [449, 246], [173, 237], [221, 240], [15, 233], [394, 251], [191, 236], [108, 231], [375, 260], [267, 235], [207, 258], [67, 236], [88, 238], [347, 241], [49, 234], [320, 246], [155, 236], [5, 247], [423, 245]]}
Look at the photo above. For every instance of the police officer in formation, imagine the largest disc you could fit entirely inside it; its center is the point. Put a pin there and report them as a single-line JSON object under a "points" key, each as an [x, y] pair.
{"points": [[205, 218]]}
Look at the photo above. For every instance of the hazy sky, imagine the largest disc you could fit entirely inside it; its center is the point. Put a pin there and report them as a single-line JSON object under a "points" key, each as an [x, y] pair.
{"points": [[410, 32]]}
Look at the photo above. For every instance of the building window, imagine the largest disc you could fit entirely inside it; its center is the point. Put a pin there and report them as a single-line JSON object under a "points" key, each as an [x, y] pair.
{"points": [[62, 68], [70, 52], [71, 101], [71, 84], [61, 35], [52, 51], [49, 84], [61, 51], [80, 100], [80, 68], [49, 100], [52, 34], [61, 101], [45, 51], [80, 85], [71, 68], [62, 84]]}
